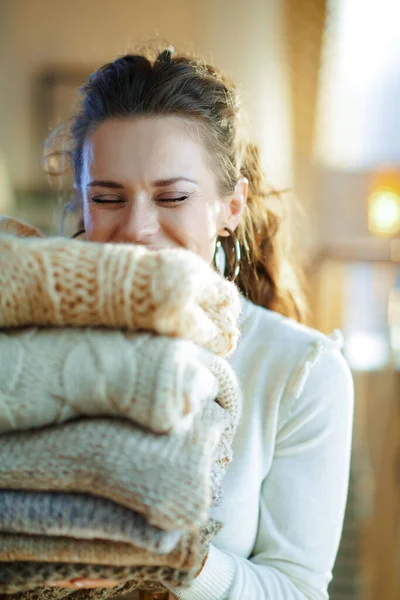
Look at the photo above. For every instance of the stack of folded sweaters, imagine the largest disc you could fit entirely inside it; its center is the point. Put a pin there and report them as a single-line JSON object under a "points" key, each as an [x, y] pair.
{"points": [[118, 410]]}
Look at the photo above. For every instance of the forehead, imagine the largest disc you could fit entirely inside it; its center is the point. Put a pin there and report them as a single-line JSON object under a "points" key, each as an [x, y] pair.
{"points": [[155, 147]]}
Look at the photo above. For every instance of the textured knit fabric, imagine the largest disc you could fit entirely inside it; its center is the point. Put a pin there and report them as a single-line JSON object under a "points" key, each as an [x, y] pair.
{"points": [[67, 284], [75, 283], [285, 491], [26, 579], [100, 552], [164, 477], [80, 516], [48, 376], [18, 228]]}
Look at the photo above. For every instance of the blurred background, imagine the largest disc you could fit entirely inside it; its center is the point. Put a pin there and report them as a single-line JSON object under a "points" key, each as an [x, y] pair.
{"points": [[320, 81]]}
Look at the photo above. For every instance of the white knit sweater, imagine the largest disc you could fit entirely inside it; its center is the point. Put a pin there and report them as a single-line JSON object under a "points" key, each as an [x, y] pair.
{"points": [[285, 490]]}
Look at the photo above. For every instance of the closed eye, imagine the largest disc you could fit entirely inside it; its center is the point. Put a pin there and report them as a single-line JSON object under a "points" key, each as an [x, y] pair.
{"points": [[114, 199], [107, 199], [174, 199]]}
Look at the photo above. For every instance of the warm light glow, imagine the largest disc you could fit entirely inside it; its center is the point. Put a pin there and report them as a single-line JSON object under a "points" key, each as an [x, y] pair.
{"points": [[384, 212], [367, 351], [358, 114]]}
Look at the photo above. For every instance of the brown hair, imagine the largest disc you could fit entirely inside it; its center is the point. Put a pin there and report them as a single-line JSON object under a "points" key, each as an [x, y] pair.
{"points": [[169, 84]]}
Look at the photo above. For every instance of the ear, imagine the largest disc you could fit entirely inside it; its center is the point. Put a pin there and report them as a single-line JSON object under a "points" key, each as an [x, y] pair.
{"points": [[235, 204]]}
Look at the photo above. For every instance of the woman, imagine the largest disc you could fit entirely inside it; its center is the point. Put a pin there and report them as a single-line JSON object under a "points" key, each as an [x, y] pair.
{"points": [[159, 159]]}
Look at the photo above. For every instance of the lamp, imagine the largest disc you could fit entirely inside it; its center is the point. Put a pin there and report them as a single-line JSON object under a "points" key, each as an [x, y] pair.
{"points": [[384, 205]]}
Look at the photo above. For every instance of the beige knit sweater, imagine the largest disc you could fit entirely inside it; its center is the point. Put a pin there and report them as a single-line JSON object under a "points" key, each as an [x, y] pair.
{"points": [[77, 283], [29, 577], [100, 552]]}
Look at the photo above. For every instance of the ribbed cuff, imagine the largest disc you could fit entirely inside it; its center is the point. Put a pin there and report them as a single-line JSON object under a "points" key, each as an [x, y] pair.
{"points": [[214, 580]]}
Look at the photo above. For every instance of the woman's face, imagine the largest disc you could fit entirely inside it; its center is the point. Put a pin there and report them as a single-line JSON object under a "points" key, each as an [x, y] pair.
{"points": [[147, 181]]}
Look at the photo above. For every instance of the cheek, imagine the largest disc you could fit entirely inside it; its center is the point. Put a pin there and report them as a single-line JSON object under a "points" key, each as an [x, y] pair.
{"points": [[195, 225], [213, 211], [98, 224], [209, 231]]}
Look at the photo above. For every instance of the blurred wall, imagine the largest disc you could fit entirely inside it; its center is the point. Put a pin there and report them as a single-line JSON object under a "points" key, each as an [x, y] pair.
{"points": [[73, 32], [249, 40], [244, 38]]}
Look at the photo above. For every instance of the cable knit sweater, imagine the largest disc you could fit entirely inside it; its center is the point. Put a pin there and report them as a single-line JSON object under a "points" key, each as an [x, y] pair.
{"points": [[48, 376]]}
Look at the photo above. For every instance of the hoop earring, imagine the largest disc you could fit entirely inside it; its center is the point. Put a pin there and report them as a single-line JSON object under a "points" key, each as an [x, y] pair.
{"points": [[78, 233], [232, 254]]}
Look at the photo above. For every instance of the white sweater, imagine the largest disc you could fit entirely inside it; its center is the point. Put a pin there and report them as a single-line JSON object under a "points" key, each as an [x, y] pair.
{"points": [[285, 490]]}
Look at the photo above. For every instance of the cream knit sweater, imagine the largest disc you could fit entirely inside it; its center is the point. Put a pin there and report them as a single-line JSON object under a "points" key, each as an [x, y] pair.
{"points": [[49, 376]]}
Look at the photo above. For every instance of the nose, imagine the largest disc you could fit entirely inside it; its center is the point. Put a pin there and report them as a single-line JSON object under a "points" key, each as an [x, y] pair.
{"points": [[140, 224]]}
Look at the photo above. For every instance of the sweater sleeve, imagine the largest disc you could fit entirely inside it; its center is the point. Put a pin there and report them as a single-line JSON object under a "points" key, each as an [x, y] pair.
{"points": [[302, 498]]}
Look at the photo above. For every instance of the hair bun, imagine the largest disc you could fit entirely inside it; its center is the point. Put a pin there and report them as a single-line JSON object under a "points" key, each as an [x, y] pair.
{"points": [[167, 55]]}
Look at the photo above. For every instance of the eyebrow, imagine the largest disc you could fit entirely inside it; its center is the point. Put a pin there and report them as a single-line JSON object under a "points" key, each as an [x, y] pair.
{"points": [[158, 183]]}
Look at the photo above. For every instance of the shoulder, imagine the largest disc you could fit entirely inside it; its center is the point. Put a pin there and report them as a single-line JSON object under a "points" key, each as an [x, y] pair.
{"points": [[280, 335], [291, 359]]}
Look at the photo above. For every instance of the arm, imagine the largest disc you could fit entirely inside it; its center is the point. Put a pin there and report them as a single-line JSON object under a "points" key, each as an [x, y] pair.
{"points": [[302, 499]]}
